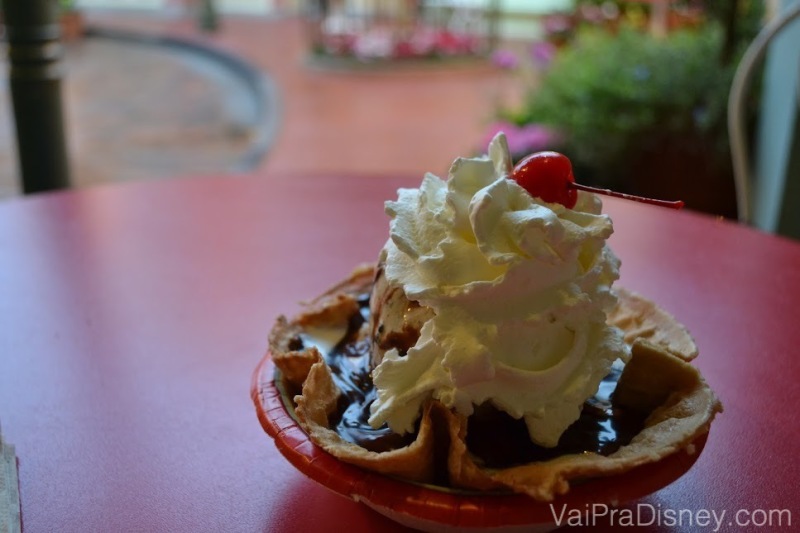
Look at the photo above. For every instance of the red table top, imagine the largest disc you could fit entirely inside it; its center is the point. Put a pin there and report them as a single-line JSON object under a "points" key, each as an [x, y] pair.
{"points": [[132, 317]]}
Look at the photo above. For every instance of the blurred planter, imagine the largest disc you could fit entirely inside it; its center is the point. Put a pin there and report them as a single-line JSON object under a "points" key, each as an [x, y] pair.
{"points": [[641, 114], [354, 33]]}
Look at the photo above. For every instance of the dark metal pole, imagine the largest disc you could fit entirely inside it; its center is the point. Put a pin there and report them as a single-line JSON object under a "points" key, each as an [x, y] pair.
{"points": [[34, 53]]}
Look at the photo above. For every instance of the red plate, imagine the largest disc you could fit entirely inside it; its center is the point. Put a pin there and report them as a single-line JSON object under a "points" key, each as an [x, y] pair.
{"points": [[433, 508]]}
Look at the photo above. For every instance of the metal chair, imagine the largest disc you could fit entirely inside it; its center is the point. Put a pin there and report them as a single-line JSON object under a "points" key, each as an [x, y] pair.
{"points": [[34, 53], [783, 215]]}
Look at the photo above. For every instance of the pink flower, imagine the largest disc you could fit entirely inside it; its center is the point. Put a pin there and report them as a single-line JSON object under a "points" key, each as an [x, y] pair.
{"points": [[423, 41], [505, 59], [543, 53], [448, 43], [375, 44], [526, 139]]}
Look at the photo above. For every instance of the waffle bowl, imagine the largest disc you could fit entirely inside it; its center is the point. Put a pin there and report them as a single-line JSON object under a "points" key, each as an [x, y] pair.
{"points": [[500, 506], [432, 508]]}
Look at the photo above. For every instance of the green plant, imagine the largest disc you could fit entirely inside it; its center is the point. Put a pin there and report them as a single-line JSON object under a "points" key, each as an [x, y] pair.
{"points": [[610, 93], [67, 5]]}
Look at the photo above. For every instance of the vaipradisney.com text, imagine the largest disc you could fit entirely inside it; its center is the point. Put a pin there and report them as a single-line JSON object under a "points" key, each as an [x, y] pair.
{"points": [[645, 514]]}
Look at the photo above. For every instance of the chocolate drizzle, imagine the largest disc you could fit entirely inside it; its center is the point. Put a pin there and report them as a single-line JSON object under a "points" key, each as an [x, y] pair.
{"points": [[349, 362], [500, 441], [493, 437], [401, 340]]}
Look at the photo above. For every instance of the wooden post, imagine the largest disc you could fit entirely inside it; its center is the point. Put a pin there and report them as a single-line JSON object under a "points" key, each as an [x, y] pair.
{"points": [[34, 53]]}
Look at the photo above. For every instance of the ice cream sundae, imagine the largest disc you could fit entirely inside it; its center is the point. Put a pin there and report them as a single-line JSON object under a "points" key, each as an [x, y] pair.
{"points": [[488, 348]]}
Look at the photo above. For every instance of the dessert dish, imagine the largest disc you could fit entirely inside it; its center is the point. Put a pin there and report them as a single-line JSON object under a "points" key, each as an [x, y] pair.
{"points": [[488, 350]]}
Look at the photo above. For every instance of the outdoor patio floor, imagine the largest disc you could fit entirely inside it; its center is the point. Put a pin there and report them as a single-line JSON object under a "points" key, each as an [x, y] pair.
{"points": [[372, 121]]}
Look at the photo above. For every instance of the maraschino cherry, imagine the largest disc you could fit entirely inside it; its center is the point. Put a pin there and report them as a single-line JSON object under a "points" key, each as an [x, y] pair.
{"points": [[548, 175]]}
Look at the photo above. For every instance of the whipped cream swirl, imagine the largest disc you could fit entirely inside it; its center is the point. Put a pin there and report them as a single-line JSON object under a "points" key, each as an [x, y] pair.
{"points": [[519, 290]]}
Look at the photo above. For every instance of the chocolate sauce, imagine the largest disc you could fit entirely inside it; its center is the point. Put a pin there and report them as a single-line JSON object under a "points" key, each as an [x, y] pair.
{"points": [[401, 340], [500, 441], [349, 361], [493, 437]]}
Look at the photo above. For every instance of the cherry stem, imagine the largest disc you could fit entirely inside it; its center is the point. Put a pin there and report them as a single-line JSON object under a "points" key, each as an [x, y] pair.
{"points": [[608, 192]]}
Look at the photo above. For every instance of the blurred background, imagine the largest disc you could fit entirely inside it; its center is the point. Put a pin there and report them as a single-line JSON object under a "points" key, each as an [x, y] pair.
{"points": [[636, 93]]}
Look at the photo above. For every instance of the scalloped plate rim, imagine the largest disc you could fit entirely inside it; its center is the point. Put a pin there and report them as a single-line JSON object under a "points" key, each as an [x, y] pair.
{"points": [[440, 508]]}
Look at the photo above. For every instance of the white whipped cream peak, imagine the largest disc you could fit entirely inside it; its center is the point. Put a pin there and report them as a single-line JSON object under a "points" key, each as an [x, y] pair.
{"points": [[520, 289]]}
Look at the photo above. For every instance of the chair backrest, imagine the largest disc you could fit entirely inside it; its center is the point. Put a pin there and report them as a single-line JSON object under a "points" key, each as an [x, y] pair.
{"points": [[771, 198], [34, 74]]}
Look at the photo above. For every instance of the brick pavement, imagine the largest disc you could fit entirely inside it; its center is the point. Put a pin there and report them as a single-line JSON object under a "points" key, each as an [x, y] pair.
{"points": [[138, 114]]}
